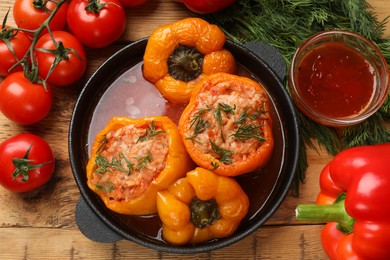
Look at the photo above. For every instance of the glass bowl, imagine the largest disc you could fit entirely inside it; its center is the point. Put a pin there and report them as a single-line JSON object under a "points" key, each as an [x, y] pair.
{"points": [[338, 78]]}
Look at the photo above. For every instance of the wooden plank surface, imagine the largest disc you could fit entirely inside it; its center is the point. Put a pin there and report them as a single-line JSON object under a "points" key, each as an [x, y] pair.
{"points": [[281, 242], [41, 225]]}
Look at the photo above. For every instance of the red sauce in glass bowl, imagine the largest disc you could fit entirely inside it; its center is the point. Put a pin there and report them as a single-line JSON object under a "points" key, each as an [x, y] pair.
{"points": [[335, 80]]}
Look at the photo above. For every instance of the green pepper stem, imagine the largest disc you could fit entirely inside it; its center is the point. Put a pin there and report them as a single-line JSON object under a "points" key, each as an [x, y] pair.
{"points": [[204, 213], [326, 213]]}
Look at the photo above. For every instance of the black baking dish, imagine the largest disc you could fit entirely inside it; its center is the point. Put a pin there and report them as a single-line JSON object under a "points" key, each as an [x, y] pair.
{"points": [[266, 190]]}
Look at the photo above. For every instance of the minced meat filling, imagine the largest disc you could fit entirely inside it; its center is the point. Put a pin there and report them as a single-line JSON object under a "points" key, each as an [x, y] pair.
{"points": [[129, 160], [227, 121]]}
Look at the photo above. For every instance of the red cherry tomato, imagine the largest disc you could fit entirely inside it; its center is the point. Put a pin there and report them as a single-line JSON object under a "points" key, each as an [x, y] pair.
{"points": [[30, 14], [22, 101], [133, 3], [70, 53], [27, 162], [100, 28], [19, 42]]}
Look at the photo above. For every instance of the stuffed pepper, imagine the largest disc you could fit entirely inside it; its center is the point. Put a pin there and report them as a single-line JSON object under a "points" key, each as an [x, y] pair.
{"points": [[180, 54], [132, 159], [355, 190], [227, 126], [201, 207]]}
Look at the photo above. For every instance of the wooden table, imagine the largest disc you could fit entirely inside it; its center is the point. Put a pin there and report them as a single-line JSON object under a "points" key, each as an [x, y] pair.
{"points": [[42, 225]]}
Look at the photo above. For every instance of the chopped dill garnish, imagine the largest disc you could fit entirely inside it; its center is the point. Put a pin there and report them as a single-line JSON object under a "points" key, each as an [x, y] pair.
{"points": [[218, 116], [103, 165], [198, 116], [244, 115], [198, 123], [105, 187], [143, 161], [222, 153], [103, 143], [248, 131], [129, 164], [150, 133], [228, 109], [214, 165]]}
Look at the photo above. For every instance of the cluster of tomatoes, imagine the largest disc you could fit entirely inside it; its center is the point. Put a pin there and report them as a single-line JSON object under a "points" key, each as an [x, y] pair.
{"points": [[46, 50], [55, 58]]}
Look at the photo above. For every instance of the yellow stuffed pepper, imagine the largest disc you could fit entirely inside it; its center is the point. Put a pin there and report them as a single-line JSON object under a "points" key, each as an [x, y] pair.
{"points": [[200, 207], [132, 159], [178, 55]]}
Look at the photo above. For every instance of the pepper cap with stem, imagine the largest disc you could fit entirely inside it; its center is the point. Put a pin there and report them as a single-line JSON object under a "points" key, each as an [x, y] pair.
{"points": [[327, 213]]}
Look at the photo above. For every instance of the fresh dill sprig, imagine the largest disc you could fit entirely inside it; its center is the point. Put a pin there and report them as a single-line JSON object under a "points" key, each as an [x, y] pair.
{"points": [[214, 165], [248, 131], [103, 165], [218, 115], [105, 187], [224, 108], [244, 116], [198, 123], [143, 161], [103, 143], [372, 132], [228, 109], [150, 133], [223, 153], [285, 24]]}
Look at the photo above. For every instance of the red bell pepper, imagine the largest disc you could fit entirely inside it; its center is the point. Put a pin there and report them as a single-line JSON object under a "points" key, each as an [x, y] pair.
{"points": [[206, 6], [354, 199]]}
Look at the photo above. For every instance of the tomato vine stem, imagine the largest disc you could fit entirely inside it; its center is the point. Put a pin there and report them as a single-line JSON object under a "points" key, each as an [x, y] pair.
{"points": [[28, 61], [6, 35]]}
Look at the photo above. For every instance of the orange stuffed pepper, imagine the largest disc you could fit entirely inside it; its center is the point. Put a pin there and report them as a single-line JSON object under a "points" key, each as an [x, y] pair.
{"points": [[180, 54], [227, 126], [200, 207], [132, 159]]}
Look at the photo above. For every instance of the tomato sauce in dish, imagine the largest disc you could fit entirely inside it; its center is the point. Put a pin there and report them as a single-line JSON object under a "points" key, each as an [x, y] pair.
{"points": [[335, 80]]}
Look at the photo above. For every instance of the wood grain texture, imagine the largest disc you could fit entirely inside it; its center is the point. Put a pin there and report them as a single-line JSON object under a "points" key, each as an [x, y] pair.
{"points": [[41, 224], [280, 242]]}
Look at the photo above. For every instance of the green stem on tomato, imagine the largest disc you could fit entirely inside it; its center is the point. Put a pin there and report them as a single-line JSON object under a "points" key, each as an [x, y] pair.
{"points": [[40, 4], [94, 6], [31, 70], [23, 166], [6, 35], [327, 213]]}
